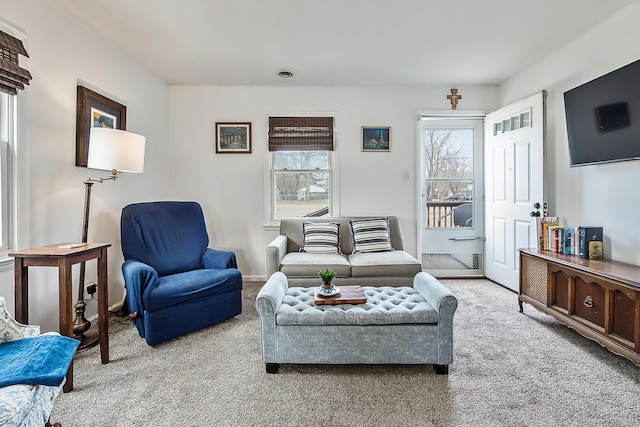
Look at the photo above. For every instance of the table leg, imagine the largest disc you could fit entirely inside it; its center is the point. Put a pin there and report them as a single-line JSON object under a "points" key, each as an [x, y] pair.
{"points": [[21, 291], [103, 306], [65, 306]]}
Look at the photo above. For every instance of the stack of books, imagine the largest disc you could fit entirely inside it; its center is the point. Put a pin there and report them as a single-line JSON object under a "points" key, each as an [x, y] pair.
{"points": [[584, 241]]}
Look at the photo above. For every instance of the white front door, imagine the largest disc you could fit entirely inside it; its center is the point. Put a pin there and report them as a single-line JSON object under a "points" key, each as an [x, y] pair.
{"points": [[514, 179]]}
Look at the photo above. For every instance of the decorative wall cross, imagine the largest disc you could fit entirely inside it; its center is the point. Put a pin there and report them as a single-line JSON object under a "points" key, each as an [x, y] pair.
{"points": [[454, 97]]}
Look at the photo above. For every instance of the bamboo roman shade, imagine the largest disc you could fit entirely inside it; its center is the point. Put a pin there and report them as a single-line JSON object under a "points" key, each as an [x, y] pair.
{"points": [[300, 133], [12, 77]]}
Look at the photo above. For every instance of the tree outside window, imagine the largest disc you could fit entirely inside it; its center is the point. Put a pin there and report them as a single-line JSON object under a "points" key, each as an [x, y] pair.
{"points": [[302, 183]]}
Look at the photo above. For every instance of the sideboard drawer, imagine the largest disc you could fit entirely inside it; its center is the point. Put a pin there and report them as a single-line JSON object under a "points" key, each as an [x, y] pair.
{"points": [[624, 313], [559, 288], [589, 301]]}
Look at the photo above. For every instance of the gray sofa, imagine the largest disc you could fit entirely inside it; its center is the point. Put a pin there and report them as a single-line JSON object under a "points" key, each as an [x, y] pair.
{"points": [[397, 325], [393, 268]]}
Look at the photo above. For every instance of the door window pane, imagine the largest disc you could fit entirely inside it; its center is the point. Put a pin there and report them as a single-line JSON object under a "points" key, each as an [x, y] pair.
{"points": [[449, 183], [521, 120]]}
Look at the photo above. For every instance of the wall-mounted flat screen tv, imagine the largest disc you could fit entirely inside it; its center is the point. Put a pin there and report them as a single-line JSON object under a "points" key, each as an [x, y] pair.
{"points": [[603, 118]]}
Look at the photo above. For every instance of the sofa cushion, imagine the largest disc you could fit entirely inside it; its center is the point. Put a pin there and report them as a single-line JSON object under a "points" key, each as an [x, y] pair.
{"points": [[321, 238], [370, 235], [297, 264], [396, 263]]}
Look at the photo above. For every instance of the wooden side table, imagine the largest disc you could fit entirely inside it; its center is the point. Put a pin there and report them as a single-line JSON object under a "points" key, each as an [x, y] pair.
{"points": [[55, 256]]}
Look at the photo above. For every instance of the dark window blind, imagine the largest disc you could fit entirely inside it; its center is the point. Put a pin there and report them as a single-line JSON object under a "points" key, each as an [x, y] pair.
{"points": [[12, 77], [300, 133]]}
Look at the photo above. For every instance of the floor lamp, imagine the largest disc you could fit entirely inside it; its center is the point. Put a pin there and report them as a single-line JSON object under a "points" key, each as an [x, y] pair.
{"points": [[116, 151]]}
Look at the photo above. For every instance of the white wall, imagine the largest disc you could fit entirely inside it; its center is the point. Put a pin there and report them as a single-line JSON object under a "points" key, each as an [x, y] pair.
{"points": [[591, 195], [181, 162], [230, 187], [63, 54]]}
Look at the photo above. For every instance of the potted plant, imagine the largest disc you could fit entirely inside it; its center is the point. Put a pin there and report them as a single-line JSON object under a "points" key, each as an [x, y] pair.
{"points": [[327, 277]]}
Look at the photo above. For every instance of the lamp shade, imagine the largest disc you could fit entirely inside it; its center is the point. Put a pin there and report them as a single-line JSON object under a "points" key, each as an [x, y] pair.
{"points": [[114, 149]]}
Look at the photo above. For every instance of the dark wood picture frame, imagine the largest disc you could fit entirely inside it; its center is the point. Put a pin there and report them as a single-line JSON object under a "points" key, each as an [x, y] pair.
{"points": [[106, 112], [233, 137], [376, 138]]}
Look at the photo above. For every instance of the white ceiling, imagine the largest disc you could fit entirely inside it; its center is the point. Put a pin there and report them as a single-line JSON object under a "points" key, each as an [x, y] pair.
{"points": [[339, 42]]}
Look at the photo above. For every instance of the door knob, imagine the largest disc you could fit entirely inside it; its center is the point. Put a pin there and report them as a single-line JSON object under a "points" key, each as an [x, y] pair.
{"points": [[535, 213]]}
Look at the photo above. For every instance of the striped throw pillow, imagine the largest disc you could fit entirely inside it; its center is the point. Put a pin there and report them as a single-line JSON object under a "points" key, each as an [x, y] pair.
{"points": [[371, 235], [321, 238]]}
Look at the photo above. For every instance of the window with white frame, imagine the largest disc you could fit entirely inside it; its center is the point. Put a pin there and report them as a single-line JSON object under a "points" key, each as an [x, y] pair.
{"points": [[13, 78], [302, 161], [7, 140]]}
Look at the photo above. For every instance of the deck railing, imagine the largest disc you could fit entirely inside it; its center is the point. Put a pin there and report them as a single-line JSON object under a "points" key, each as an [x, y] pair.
{"points": [[439, 212]]}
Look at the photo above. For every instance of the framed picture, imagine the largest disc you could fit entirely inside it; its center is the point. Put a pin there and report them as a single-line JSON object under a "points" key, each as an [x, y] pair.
{"points": [[376, 138], [233, 137], [94, 109]]}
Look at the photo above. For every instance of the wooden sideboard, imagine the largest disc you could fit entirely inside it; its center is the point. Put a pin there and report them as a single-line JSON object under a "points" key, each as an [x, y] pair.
{"points": [[600, 299]]}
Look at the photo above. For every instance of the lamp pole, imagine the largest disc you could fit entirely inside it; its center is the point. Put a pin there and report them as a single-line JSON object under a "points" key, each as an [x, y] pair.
{"points": [[80, 323]]}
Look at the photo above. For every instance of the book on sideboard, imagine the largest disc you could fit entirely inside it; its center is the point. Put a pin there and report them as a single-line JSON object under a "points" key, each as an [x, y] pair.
{"points": [[554, 237], [590, 242], [584, 241], [543, 224], [570, 242]]}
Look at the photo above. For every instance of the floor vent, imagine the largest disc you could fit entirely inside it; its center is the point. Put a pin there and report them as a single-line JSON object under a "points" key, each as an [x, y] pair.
{"points": [[452, 262]]}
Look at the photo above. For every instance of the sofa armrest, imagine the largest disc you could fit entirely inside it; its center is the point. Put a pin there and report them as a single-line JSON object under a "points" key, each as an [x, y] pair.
{"points": [[11, 329], [445, 303], [268, 302], [276, 250], [271, 295], [437, 295]]}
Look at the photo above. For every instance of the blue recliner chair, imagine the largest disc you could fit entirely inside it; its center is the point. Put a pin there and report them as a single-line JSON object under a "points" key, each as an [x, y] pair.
{"points": [[175, 283]]}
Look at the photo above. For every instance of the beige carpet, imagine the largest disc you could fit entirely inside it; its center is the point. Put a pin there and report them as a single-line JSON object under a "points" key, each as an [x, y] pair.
{"points": [[509, 369]]}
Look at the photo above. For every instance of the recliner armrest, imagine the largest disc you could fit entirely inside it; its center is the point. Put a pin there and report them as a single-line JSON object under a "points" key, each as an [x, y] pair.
{"points": [[276, 250], [138, 278], [217, 258]]}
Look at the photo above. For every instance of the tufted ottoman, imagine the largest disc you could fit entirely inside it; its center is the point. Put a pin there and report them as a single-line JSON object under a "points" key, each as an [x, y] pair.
{"points": [[397, 325]]}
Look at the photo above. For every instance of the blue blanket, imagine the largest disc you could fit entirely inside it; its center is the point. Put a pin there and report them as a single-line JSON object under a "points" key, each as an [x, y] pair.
{"points": [[39, 360]]}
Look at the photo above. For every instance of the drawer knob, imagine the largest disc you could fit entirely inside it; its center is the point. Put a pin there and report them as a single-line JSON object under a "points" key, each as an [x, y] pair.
{"points": [[588, 301]]}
